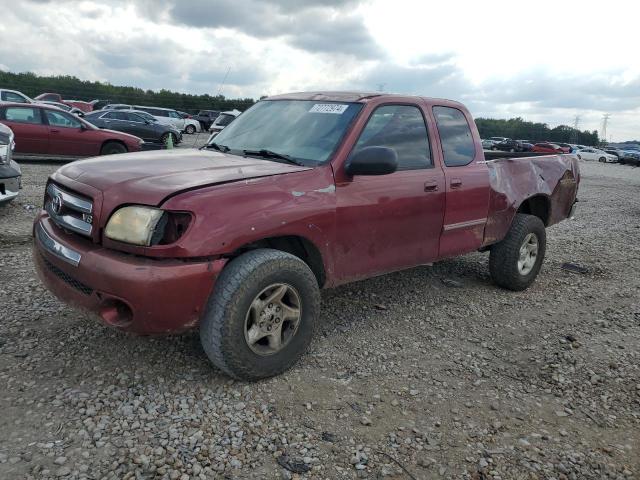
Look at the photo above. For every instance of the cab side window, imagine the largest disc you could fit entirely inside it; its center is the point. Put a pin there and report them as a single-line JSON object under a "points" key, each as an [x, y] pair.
{"points": [[455, 135], [402, 128]]}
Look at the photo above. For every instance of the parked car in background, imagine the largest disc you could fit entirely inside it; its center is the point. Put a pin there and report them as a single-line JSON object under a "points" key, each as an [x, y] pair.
{"points": [[575, 147], [615, 151], [527, 146], [56, 97], [566, 148], [206, 118], [487, 144], [591, 153], [10, 174], [66, 108], [13, 96], [222, 120], [166, 116], [117, 106], [498, 139], [135, 123], [508, 146], [631, 157], [545, 147], [43, 130], [302, 192]]}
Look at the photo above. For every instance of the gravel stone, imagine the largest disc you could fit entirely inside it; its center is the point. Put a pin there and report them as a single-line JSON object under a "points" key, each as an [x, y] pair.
{"points": [[454, 380]]}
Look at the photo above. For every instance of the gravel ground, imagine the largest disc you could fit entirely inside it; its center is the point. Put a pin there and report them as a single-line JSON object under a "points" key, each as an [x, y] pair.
{"points": [[433, 370]]}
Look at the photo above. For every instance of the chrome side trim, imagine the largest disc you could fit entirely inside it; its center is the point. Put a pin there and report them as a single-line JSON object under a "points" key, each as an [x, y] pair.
{"points": [[56, 248], [67, 221], [467, 224], [71, 200]]}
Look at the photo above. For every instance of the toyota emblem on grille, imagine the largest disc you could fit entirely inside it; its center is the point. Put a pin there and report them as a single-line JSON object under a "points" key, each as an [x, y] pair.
{"points": [[56, 204]]}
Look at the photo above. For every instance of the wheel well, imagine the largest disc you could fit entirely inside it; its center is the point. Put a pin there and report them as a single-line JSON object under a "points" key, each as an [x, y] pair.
{"points": [[295, 245], [107, 142], [537, 206]]}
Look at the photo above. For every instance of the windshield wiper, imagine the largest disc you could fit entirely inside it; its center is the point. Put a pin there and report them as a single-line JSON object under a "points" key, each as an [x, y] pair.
{"points": [[216, 146], [264, 153]]}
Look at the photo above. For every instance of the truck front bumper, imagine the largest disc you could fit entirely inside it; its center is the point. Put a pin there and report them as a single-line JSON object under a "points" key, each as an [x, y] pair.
{"points": [[135, 294]]}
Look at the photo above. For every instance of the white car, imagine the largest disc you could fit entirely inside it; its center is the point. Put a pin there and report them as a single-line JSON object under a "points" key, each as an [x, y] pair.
{"points": [[221, 121], [14, 96], [595, 154], [191, 125]]}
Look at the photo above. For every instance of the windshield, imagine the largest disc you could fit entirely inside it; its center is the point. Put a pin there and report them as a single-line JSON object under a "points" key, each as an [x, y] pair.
{"points": [[306, 130]]}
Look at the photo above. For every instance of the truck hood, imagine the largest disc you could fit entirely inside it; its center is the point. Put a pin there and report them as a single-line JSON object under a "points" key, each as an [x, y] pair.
{"points": [[150, 177]]}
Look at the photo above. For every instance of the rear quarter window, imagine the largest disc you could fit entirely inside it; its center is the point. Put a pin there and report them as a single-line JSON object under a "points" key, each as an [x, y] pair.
{"points": [[458, 148]]}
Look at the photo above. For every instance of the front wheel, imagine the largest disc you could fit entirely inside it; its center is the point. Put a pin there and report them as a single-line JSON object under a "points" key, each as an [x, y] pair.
{"points": [[112, 148], [514, 263], [260, 317], [191, 129], [602, 160]]}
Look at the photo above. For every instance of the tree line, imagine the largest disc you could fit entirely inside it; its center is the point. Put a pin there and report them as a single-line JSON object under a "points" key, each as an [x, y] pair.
{"points": [[519, 129], [73, 88]]}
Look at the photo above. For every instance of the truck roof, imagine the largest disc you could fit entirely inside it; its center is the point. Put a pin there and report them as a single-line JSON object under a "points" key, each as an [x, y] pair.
{"points": [[355, 96]]}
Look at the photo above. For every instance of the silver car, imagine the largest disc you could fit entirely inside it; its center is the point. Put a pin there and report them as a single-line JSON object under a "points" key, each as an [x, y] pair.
{"points": [[10, 174]]}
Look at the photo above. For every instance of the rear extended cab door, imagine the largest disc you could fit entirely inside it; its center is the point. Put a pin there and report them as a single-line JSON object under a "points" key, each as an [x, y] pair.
{"points": [[466, 179]]}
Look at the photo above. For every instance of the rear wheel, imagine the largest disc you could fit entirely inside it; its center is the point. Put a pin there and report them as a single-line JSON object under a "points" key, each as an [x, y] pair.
{"points": [[260, 317], [191, 129], [514, 263], [111, 148]]}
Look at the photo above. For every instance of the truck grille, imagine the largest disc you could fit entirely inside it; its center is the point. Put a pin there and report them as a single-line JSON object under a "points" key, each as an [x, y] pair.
{"points": [[68, 279], [68, 210]]}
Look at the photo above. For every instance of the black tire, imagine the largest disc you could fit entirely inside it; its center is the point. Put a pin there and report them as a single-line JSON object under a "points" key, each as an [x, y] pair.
{"points": [[503, 259], [190, 129], [579, 157], [165, 136], [602, 160], [112, 148], [222, 329], [622, 161]]}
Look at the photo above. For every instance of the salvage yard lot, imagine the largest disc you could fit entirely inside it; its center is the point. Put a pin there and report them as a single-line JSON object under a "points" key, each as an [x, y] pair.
{"points": [[434, 369]]}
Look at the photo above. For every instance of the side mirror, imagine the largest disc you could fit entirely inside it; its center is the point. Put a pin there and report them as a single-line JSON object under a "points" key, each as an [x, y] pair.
{"points": [[372, 161], [83, 127]]}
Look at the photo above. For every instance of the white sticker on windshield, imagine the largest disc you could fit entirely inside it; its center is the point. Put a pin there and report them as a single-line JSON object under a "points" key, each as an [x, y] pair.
{"points": [[329, 108]]}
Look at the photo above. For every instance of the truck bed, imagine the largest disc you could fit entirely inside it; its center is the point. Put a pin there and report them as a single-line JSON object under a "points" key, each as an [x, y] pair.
{"points": [[550, 180]]}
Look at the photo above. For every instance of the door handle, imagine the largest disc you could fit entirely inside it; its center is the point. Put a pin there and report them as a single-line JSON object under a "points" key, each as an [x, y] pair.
{"points": [[455, 183], [431, 186], [53, 130]]}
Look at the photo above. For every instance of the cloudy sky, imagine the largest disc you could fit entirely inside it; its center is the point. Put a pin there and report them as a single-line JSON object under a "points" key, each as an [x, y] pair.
{"points": [[545, 60]]}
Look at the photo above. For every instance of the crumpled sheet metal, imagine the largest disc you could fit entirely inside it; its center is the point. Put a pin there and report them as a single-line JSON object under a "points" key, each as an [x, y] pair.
{"points": [[514, 180]]}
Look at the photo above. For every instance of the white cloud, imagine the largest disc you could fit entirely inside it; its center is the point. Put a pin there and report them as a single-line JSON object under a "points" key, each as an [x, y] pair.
{"points": [[547, 61]]}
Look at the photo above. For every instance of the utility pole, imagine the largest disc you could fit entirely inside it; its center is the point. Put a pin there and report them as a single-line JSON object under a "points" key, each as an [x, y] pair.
{"points": [[605, 121], [576, 124]]}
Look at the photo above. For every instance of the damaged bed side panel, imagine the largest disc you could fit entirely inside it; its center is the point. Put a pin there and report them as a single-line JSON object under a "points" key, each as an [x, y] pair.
{"points": [[515, 180]]}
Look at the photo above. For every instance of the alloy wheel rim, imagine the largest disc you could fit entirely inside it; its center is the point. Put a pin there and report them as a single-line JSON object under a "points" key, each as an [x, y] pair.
{"points": [[273, 319], [528, 254]]}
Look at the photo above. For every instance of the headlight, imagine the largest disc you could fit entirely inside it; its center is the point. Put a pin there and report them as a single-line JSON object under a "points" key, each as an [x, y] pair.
{"points": [[6, 149], [134, 224], [147, 226]]}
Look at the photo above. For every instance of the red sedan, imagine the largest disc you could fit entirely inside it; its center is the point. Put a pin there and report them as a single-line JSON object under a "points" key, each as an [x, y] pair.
{"points": [[547, 148], [42, 130]]}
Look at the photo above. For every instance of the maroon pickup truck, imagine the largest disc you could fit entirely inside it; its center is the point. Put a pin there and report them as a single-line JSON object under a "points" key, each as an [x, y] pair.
{"points": [[301, 192]]}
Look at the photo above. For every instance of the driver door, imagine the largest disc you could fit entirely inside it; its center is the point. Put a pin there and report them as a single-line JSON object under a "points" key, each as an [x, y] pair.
{"points": [[390, 222]]}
